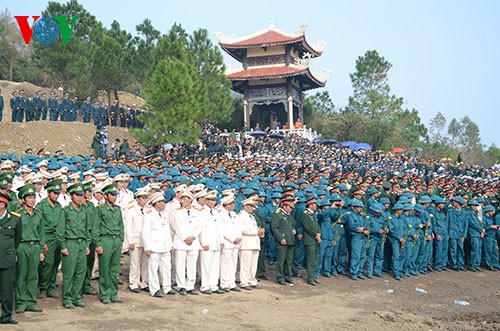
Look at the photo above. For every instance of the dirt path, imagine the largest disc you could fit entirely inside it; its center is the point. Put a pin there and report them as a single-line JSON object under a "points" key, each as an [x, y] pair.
{"points": [[335, 304]]}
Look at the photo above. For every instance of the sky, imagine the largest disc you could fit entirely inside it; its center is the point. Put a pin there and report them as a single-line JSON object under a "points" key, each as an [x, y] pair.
{"points": [[445, 54]]}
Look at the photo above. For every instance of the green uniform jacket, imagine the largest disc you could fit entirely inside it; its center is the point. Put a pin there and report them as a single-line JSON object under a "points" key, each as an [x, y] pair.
{"points": [[282, 226], [90, 210], [33, 229], [260, 220], [51, 215], [311, 227], [74, 225], [107, 222], [10, 237]]}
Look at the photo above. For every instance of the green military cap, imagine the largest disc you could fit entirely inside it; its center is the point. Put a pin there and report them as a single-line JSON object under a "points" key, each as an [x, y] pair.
{"points": [[25, 191], [87, 186], [76, 188], [4, 183], [54, 185], [8, 176], [110, 189]]}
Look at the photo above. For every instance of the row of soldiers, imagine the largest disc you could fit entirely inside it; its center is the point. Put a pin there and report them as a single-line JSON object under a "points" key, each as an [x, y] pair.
{"points": [[37, 107], [329, 230]]}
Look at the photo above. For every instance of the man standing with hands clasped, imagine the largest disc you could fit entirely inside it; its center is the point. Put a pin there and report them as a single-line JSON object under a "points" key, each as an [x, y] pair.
{"points": [[108, 234], [73, 235], [158, 245], [283, 229], [249, 246], [312, 238]]}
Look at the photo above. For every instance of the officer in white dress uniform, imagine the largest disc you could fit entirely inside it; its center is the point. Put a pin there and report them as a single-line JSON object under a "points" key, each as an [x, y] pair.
{"points": [[187, 227], [158, 245], [249, 245], [232, 239], [138, 274], [211, 241]]}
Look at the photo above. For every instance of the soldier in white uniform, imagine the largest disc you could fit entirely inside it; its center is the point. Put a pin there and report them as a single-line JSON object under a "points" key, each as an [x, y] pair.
{"points": [[187, 228], [232, 239], [138, 274], [64, 199], [211, 241], [158, 245], [249, 245]]}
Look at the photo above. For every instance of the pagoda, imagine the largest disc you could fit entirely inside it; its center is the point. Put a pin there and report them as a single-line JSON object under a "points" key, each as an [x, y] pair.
{"points": [[275, 71]]}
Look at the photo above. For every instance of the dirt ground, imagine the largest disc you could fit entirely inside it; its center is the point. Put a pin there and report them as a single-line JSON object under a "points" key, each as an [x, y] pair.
{"points": [[335, 304]]}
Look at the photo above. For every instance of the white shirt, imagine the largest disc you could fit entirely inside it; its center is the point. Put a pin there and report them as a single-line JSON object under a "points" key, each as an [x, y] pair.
{"points": [[156, 232], [232, 229], [187, 223], [212, 229], [249, 230], [133, 218]]}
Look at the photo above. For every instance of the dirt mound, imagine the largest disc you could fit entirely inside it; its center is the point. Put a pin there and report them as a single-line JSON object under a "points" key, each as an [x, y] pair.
{"points": [[72, 137]]}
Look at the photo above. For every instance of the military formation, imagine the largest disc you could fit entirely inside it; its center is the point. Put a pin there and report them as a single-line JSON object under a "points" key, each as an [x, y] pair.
{"points": [[40, 107], [212, 218]]}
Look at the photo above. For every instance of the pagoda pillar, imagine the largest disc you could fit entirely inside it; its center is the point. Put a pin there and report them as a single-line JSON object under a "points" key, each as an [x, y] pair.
{"points": [[290, 112], [246, 115]]}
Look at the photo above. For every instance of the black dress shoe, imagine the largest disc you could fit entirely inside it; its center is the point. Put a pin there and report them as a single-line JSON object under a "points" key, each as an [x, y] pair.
{"points": [[263, 278], [256, 287], [145, 289], [192, 292], [219, 291], [248, 288], [235, 289], [9, 322], [34, 309], [182, 291], [281, 282], [226, 289], [206, 292], [171, 292], [135, 290], [158, 294], [117, 301], [313, 283]]}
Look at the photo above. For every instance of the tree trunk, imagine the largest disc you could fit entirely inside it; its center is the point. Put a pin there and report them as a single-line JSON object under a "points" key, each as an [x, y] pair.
{"points": [[11, 69], [116, 95]]}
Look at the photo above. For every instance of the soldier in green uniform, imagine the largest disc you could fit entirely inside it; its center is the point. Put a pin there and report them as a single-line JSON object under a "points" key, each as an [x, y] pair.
{"points": [[6, 179], [73, 235], [10, 238], [283, 230], [90, 209], [51, 215], [312, 238], [107, 234], [30, 251], [261, 223]]}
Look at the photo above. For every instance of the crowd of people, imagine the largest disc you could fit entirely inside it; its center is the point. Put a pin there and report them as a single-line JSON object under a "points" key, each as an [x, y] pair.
{"points": [[197, 212], [38, 107]]}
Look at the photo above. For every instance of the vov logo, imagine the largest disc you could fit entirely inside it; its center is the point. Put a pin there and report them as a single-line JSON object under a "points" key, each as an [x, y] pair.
{"points": [[46, 30]]}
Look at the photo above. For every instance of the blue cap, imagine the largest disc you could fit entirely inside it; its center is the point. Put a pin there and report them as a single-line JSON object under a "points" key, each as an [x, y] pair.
{"points": [[424, 199]]}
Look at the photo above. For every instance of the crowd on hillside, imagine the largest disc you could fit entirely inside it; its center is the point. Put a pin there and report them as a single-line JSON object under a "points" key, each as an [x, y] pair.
{"points": [[236, 205], [38, 107]]}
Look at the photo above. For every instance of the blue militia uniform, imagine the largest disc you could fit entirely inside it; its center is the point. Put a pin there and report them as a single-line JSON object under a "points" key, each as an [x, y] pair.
{"points": [[398, 229], [475, 229], [441, 229], [326, 245], [458, 230], [375, 253], [339, 257], [358, 243]]}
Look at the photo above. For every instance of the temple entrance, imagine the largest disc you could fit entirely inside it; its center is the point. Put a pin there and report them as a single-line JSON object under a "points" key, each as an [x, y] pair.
{"points": [[271, 116]]}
